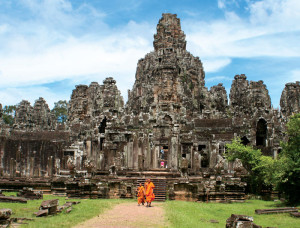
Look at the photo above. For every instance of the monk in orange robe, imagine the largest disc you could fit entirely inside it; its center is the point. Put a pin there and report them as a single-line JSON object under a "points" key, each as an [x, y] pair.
{"points": [[149, 193], [141, 194]]}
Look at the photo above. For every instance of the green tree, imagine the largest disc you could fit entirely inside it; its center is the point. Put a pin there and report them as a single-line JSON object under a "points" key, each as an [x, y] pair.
{"points": [[60, 110], [250, 159], [8, 114], [290, 181]]}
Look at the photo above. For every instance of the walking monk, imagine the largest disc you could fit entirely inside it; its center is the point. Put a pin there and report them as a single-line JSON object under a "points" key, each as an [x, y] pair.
{"points": [[149, 192], [141, 194]]}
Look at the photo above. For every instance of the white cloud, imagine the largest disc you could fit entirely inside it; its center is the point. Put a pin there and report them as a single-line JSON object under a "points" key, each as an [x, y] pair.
{"points": [[272, 29], [12, 96], [36, 53], [218, 79], [215, 64]]}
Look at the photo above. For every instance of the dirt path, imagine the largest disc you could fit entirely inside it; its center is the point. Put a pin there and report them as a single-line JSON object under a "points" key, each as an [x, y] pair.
{"points": [[129, 215]]}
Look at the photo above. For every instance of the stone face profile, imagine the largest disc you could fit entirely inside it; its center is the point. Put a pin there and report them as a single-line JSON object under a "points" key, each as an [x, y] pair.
{"points": [[172, 126]]}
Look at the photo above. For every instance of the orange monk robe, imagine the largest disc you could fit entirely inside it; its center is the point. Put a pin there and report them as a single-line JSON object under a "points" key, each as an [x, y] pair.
{"points": [[141, 195], [149, 192]]}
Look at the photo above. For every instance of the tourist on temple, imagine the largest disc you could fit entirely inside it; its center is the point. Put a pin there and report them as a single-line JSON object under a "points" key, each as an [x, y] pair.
{"points": [[141, 194], [149, 193]]}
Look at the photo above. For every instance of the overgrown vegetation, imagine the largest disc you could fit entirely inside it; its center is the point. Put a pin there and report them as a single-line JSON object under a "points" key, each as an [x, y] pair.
{"points": [[192, 214], [87, 209], [281, 173], [289, 183], [60, 110]]}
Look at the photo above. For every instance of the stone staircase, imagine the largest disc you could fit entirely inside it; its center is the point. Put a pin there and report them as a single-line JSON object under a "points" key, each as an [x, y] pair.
{"points": [[160, 187]]}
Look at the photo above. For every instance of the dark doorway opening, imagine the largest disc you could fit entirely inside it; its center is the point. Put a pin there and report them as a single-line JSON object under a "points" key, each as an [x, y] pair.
{"points": [[261, 133], [102, 125], [245, 141], [101, 143], [201, 147]]}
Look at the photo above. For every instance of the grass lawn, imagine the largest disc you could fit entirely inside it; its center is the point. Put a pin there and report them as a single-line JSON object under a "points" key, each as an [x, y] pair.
{"points": [[193, 214], [85, 210]]}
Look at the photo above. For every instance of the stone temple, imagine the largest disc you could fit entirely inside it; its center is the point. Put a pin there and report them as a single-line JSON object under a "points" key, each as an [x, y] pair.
{"points": [[173, 129]]}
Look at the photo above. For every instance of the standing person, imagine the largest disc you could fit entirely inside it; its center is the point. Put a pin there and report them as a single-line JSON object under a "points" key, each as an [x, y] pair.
{"points": [[149, 193], [141, 194]]}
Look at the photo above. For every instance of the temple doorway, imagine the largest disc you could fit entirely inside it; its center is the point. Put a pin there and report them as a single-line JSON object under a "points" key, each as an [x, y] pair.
{"points": [[163, 157], [261, 133]]}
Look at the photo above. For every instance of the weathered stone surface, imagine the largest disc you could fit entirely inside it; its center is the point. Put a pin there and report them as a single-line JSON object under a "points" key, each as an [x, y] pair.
{"points": [[5, 213], [23, 115], [49, 203], [295, 214], [28, 193], [12, 199], [248, 98], [42, 213], [276, 210], [41, 115], [240, 221], [290, 99]]}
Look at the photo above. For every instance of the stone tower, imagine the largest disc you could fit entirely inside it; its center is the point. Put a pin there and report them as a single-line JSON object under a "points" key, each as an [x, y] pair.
{"points": [[169, 79]]}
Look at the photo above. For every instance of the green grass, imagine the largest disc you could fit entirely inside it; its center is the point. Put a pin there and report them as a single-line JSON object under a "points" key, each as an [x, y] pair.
{"points": [[193, 214], [178, 213], [87, 209]]}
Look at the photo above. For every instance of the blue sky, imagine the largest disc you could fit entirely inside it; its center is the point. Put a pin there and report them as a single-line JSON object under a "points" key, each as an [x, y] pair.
{"points": [[49, 46]]}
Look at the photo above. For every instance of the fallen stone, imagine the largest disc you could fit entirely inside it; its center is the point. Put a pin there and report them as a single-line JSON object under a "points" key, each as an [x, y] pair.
{"points": [[68, 204], [213, 221], [240, 221], [69, 210], [73, 202], [49, 203], [28, 193], [41, 213], [295, 214], [276, 210], [12, 199], [5, 214]]}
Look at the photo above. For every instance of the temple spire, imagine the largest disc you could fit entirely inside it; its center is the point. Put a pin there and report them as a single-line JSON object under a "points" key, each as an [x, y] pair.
{"points": [[169, 34]]}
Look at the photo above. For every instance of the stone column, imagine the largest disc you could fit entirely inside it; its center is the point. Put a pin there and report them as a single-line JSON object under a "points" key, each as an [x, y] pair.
{"points": [[156, 154], [50, 166], [135, 152], [89, 149], [174, 153], [31, 172], [12, 168]]}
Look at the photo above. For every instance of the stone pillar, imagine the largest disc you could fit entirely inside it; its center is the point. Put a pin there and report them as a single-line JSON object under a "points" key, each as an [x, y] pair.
{"points": [[174, 153], [12, 168], [147, 154], [156, 154], [31, 172], [50, 166], [213, 155], [89, 149], [135, 152]]}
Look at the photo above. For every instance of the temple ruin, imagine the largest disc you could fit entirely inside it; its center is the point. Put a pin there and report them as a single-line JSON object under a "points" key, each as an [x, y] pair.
{"points": [[172, 129]]}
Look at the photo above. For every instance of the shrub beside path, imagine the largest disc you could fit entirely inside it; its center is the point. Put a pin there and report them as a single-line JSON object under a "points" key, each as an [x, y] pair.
{"points": [[129, 215]]}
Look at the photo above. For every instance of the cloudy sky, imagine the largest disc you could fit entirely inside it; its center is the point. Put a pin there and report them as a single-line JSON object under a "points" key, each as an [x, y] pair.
{"points": [[49, 46]]}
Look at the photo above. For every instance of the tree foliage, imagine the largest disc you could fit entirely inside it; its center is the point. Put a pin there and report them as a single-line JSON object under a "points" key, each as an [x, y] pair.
{"points": [[290, 180], [8, 114], [283, 173], [251, 160], [60, 110]]}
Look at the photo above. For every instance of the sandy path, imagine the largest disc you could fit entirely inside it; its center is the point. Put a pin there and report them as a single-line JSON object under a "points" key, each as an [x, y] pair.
{"points": [[129, 215]]}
